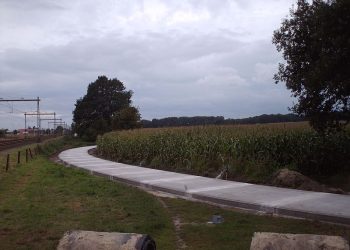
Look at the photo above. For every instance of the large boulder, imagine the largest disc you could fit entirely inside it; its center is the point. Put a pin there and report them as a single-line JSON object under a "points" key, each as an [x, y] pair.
{"points": [[276, 241], [90, 240]]}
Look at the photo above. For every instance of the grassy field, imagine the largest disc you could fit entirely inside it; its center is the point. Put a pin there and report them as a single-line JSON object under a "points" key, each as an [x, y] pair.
{"points": [[41, 200], [251, 152], [48, 147], [13, 157]]}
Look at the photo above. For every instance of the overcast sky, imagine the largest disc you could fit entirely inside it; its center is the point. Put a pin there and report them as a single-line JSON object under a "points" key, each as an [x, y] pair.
{"points": [[180, 57]]}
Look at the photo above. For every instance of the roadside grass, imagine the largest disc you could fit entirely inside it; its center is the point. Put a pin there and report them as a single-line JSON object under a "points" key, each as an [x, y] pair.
{"points": [[48, 148], [41, 200], [13, 163], [238, 227]]}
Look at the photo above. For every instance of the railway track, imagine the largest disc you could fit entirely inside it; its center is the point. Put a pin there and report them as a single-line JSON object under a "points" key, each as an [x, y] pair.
{"points": [[12, 143]]}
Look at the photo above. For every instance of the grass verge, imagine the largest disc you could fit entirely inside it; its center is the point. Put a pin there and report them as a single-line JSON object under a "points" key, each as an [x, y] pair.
{"points": [[238, 228], [41, 200]]}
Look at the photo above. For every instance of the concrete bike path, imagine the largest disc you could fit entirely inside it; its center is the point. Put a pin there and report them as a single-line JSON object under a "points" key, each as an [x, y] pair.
{"points": [[279, 201]]}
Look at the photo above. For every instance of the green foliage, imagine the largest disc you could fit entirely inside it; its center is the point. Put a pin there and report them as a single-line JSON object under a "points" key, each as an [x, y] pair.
{"points": [[59, 130], [126, 118], [93, 113], [256, 151], [315, 42], [54, 146]]}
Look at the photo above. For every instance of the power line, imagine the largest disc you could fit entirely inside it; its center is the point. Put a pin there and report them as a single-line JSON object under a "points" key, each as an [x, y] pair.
{"points": [[37, 100]]}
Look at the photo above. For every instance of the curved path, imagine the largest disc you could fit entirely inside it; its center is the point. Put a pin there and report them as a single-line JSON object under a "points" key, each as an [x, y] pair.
{"points": [[280, 201]]}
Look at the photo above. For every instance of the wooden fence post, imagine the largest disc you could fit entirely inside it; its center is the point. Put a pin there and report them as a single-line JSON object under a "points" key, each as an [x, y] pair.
{"points": [[19, 157], [30, 153], [7, 162], [26, 155]]}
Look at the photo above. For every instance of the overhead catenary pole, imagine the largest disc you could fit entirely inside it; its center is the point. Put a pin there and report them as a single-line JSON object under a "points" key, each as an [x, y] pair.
{"points": [[57, 123], [25, 124], [51, 119], [37, 100], [20, 100], [42, 113], [38, 117]]}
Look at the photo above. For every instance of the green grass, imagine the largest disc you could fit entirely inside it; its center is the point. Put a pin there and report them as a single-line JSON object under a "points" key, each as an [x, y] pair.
{"points": [[41, 200], [13, 163], [54, 146], [238, 228]]}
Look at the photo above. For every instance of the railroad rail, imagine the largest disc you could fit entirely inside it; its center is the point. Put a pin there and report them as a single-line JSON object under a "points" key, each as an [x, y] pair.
{"points": [[12, 143]]}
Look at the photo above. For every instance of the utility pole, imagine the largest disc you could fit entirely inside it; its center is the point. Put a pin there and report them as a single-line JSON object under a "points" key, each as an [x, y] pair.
{"points": [[37, 114], [58, 123], [51, 119], [37, 100]]}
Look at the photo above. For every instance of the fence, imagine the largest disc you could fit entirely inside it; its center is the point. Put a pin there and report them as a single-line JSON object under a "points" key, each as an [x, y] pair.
{"points": [[17, 157]]}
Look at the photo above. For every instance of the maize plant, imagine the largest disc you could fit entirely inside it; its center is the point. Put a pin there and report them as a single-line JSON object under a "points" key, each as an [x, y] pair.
{"points": [[243, 149]]}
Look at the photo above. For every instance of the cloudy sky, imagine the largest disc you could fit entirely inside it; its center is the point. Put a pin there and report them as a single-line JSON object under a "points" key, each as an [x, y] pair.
{"points": [[180, 57]]}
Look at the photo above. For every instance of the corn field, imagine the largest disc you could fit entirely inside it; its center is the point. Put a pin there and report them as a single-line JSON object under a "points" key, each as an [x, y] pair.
{"points": [[254, 151]]}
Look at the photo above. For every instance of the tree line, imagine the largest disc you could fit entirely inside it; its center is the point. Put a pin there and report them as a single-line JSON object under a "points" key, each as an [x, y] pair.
{"points": [[218, 120]]}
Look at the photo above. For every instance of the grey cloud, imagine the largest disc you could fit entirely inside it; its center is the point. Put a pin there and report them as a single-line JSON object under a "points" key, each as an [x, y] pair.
{"points": [[201, 74], [35, 5], [173, 72]]}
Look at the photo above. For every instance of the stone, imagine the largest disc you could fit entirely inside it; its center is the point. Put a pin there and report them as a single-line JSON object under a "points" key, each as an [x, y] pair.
{"points": [[276, 241], [90, 240], [293, 179]]}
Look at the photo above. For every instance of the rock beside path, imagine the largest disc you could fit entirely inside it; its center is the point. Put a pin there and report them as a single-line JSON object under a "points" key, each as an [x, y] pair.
{"points": [[90, 240], [276, 241], [292, 179]]}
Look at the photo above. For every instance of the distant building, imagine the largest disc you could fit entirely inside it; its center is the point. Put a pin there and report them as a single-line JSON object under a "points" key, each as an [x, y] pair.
{"points": [[23, 131]]}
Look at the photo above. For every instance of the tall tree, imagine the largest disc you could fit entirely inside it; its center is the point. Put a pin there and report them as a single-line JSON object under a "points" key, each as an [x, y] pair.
{"points": [[126, 118], [315, 42], [93, 112]]}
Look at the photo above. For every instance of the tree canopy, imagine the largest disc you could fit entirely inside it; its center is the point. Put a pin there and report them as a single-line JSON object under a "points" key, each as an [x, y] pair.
{"points": [[315, 42], [93, 113], [126, 118]]}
